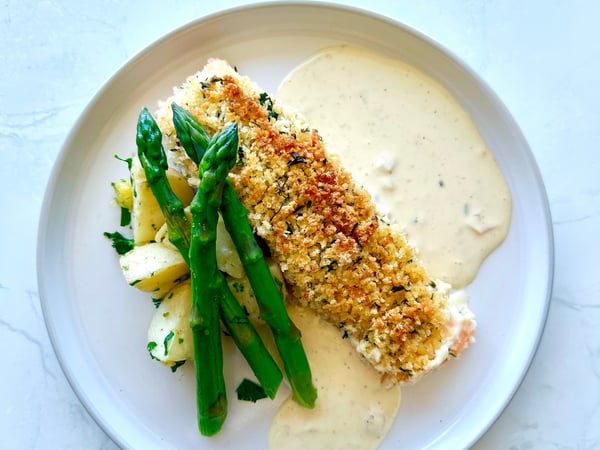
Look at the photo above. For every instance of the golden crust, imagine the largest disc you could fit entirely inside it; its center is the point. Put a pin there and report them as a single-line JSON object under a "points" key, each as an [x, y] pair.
{"points": [[336, 255]]}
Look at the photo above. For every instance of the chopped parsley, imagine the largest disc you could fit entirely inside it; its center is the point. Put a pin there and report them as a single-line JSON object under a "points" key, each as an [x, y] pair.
{"points": [[296, 159], [119, 242], [125, 217], [238, 286], [249, 391], [129, 161], [240, 160], [177, 365], [267, 102], [168, 338], [407, 371], [151, 346]]}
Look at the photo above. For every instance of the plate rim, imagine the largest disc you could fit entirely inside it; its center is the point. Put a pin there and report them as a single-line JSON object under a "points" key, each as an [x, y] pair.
{"points": [[59, 163]]}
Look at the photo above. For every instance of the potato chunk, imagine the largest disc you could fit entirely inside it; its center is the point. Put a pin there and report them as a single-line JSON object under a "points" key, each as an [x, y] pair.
{"points": [[123, 194], [242, 289], [154, 268], [147, 218], [228, 259], [169, 335]]}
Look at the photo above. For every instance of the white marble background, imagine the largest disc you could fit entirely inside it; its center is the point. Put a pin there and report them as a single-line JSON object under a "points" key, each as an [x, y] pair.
{"points": [[541, 57]]}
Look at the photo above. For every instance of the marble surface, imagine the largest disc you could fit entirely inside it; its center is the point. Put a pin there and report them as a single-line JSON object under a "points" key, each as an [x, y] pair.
{"points": [[542, 58]]}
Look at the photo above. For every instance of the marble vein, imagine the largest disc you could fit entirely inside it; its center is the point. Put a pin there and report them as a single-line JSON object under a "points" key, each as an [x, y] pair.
{"points": [[32, 340]]}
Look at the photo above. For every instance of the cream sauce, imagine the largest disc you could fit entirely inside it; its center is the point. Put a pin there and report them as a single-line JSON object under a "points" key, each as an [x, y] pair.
{"points": [[353, 410], [410, 143]]}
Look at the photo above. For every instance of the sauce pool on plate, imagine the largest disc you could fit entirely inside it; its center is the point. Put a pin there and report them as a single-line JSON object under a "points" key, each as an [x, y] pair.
{"points": [[411, 144], [353, 410]]}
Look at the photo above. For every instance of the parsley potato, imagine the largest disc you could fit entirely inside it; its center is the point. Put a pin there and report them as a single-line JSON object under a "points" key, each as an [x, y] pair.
{"points": [[170, 338], [242, 289], [146, 216], [228, 260], [154, 268], [169, 333], [123, 194]]}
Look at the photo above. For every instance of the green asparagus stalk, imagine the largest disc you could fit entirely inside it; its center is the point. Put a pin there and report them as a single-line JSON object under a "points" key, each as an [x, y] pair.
{"points": [[232, 314], [154, 161], [193, 138], [204, 317], [272, 307], [248, 340]]}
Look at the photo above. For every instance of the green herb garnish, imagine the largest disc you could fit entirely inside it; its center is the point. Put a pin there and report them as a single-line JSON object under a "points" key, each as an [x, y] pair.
{"points": [[168, 338], [151, 346], [267, 102], [177, 365], [119, 242], [249, 391]]}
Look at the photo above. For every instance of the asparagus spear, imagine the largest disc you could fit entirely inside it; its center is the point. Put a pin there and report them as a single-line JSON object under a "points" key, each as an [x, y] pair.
{"points": [[193, 137], [272, 308], [232, 314], [219, 158], [287, 337], [248, 340], [154, 161]]}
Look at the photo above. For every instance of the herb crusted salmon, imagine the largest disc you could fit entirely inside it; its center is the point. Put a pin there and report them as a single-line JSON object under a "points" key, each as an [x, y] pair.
{"points": [[337, 255]]}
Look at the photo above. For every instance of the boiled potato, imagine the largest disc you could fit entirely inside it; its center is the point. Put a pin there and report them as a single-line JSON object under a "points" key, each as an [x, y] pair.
{"points": [[169, 335], [162, 235], [147, 218], [123, 194], [154, 268], [228, 259], [242, 290]]}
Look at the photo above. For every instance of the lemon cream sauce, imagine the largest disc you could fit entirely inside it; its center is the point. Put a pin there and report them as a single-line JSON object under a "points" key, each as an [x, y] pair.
{"points": [[353, 410], [410, 143]]}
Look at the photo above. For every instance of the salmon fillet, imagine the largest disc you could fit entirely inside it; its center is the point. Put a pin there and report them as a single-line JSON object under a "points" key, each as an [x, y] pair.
{"points": [[337, 255]]}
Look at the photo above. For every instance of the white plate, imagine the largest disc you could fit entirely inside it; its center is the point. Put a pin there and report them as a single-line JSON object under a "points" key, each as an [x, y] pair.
{"points": [[98, 324]]}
